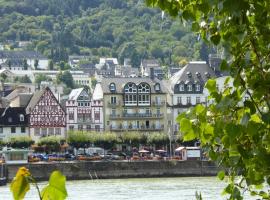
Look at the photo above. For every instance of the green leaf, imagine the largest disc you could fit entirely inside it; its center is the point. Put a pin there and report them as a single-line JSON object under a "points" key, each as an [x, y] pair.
{"points": [[251, 106], [221, 175], [211, 85], [186, 128], [56, 190], [19, 187], [215, 38], [224, 65], [199, 109]]}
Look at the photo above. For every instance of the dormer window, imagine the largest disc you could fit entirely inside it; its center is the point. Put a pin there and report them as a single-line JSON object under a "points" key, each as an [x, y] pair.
{"points": [[157, 87], [198, 74], [189, 87], [189, 74], [207, 75], [112, 87], [9, 119], [198, 87], [181, 87], [21, 117]]}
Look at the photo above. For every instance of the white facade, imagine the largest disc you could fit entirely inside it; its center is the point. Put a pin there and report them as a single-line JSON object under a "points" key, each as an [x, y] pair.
{"points": [[97, 108], [13, 131], [36, 132]]}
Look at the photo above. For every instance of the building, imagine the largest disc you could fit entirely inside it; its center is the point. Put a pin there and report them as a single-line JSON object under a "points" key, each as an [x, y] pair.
{"points": [[74, 60], [134, 104], [186, 87], [17, 57], [148, 65], [78, 109], [97, 108], [46, 116], [13, 123]]}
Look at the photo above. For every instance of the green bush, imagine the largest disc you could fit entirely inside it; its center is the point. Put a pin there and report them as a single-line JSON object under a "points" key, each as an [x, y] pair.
{"points": [[20, 142], [51, 143]]}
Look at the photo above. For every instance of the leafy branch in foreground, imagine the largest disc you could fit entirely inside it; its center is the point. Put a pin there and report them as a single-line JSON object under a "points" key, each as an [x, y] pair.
{"points": [[56, 189], [234, 129]]}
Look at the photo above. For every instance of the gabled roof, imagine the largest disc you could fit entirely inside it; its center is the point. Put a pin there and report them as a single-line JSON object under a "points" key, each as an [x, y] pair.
{"points": [[34, 100], [197, 71], [75, 93], [98, 93], [11, 116]]}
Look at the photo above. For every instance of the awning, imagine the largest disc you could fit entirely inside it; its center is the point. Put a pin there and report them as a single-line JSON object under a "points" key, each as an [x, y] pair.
{"points": [[179, 148]]}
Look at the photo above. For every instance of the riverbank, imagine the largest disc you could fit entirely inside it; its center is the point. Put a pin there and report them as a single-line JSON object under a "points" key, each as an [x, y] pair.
{"points": [[117, 169]]}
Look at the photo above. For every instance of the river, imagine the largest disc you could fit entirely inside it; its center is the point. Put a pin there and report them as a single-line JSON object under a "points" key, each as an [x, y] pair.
{"points": [[138, 188]]}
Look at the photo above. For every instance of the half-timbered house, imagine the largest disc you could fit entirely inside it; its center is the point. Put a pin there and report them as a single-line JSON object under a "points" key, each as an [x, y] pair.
{"points": [[46, 116]]}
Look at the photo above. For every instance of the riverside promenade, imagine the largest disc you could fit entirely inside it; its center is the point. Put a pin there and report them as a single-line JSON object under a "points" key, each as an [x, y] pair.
{"points": [[116, 169]]}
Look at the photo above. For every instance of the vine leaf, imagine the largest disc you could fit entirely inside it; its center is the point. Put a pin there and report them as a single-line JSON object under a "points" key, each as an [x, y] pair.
{"points": [[56, 189], [20, 184]]}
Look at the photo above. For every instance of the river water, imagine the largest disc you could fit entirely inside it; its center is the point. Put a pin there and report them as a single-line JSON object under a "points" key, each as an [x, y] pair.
{"points": [[137, 188]]}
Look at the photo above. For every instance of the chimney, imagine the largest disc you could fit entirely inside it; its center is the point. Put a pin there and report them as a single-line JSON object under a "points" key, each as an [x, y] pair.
{"points": [[152, 74]]}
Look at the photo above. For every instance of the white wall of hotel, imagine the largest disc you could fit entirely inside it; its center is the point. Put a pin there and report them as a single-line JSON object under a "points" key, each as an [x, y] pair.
{"points": [[79, 77], [36, 132], [97, 107], [7, 132], [42, 63]]}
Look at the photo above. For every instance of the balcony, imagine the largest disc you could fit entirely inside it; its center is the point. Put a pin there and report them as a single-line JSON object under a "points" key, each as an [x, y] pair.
{"points": [[158, 103], [113, 105], [135, 128], [136, 116]]}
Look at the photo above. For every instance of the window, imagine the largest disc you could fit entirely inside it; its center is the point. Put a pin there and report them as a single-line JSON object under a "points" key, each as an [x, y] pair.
{"points": [[113, 100], [157, 87], [144, 94], [198, 100], [36, 131], [88, 127], [189, 87], [21, 117], [1, 130], [112, 87], [22, 129], [9, 119], [71, 127], [97, 127], [57, 131], [108, 123], [181, 87], [13, 129], [188, 100], [51, 131], [97, 115], [113, 112], [71, 115], [130, 97], [43, 132], [179, 100], [198, 87]]}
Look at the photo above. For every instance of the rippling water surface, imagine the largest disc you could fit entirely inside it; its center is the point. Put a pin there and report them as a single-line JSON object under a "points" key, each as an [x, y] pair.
{"points": [[143, 188]]}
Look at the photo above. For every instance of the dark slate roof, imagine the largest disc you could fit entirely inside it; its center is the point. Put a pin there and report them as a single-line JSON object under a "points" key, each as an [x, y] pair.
{"points": [[193, 72], [21, 55], [121, 82], [10, 116]]}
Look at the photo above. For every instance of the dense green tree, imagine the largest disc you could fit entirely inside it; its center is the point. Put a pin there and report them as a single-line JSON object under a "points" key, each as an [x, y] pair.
{"points": [[234, 130], [20, 142], [22, 79], [65, 78], [41, 77], [36, 64]]}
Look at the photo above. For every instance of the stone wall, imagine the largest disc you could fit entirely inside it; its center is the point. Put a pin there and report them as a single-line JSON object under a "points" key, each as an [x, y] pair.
{"points": [[117, 169]]}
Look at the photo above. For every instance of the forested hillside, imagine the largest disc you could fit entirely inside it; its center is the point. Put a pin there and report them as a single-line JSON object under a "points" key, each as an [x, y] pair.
{"points": [[118, 28]]}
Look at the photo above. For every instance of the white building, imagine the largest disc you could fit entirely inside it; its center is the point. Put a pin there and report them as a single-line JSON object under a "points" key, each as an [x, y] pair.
{"points": [[186, 87], [78, 109], [97, 108], [13, 123]]}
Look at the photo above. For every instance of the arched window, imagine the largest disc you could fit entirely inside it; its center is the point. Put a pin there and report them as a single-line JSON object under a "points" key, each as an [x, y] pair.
{"points": [[130, 97], [157, 87], [112, 87], [144, 94]]}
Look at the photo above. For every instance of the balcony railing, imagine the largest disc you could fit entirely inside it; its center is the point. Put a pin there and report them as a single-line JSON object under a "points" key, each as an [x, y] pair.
{"points": [[135, 115], [135, 128], [158, 103]]}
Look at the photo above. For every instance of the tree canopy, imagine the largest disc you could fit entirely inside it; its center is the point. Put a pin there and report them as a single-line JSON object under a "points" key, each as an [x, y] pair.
{"points": [[234, 129]]}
